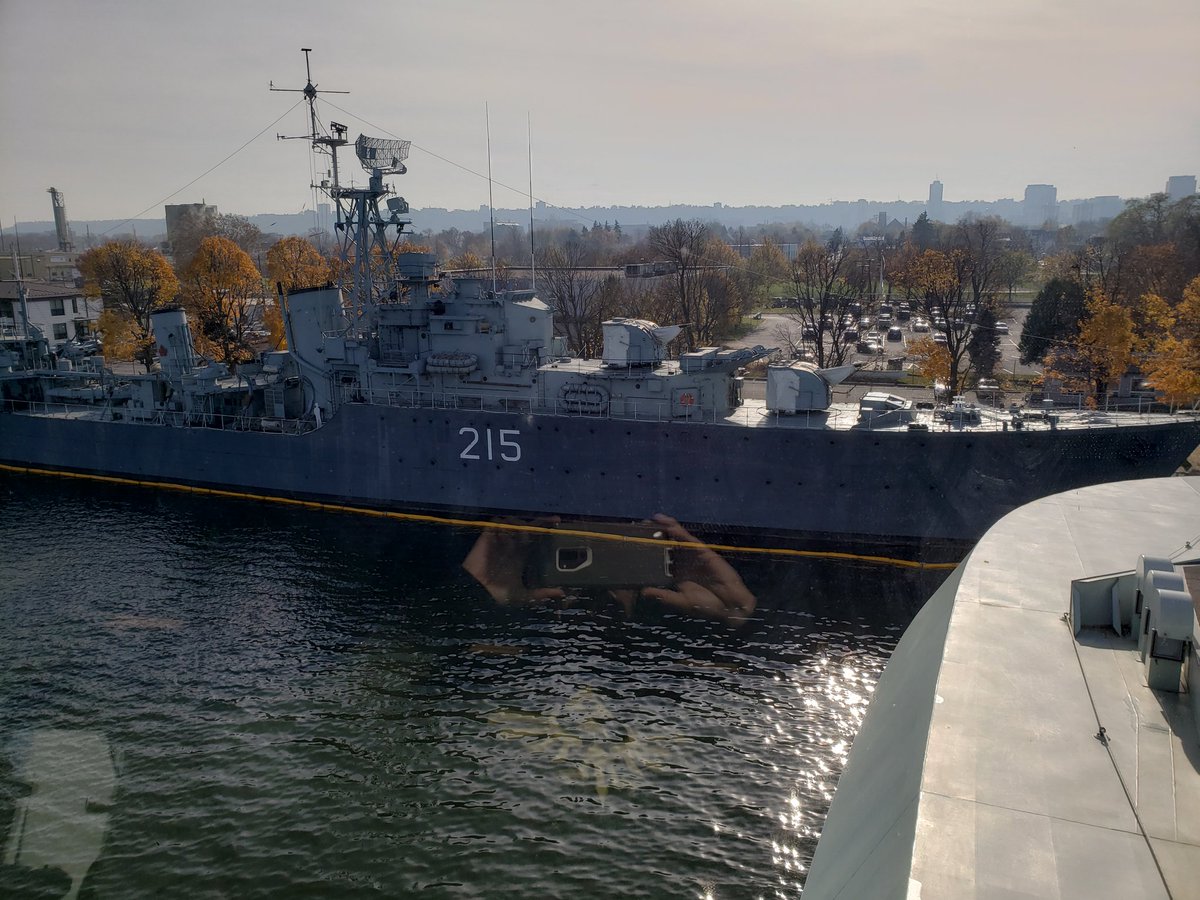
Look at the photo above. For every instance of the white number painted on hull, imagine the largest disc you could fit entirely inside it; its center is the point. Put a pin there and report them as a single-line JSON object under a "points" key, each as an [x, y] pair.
{"points": [[510, 450]]}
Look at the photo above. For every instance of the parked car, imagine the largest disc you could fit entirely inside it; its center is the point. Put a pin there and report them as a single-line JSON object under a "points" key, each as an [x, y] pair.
{"points": [[940, 338], [895, 333], [850, 334], [808, 333], [1001, 328]]}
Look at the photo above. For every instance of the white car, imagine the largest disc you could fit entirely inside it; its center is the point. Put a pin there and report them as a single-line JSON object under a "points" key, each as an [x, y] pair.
{"points": [[1001, 328]]}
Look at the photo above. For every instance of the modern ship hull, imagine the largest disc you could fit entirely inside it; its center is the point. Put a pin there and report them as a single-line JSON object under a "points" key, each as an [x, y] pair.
{"points": [[861, 485]]}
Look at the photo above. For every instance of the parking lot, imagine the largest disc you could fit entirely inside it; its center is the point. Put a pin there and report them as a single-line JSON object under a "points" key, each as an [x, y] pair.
{"points": [[766, 333]]}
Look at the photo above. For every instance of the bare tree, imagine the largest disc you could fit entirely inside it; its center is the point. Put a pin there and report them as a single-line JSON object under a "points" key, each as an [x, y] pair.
{"points": [[194, 226], [575, 294], [682, 244], [980, 240], [825, 299], [941, 282]]}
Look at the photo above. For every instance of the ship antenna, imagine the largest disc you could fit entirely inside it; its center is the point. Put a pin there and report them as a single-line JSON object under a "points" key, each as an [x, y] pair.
{"points": [[532, 253], [491, 206], [320, 142]]}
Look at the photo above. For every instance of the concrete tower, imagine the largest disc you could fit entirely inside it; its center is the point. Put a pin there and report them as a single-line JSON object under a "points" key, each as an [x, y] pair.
{"points": [[1180, 186]]}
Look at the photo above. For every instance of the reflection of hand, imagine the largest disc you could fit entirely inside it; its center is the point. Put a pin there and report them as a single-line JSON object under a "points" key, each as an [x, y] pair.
{"points": [[706, 585], [497, 561]]}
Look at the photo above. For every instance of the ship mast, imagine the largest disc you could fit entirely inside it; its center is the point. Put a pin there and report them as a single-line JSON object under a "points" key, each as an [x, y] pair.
{"points": [[366, 248]]}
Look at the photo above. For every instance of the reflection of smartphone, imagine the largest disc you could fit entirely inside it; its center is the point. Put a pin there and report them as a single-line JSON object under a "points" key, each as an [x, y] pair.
{"points": [[575, 560]]}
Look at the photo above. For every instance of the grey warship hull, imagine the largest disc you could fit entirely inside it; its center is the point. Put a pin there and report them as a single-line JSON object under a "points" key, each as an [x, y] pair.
{"points": [[857, 485]]}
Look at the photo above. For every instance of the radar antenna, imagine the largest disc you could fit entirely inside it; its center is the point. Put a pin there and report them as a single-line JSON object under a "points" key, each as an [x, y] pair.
{"points": [[380, 156], [367, 250]]}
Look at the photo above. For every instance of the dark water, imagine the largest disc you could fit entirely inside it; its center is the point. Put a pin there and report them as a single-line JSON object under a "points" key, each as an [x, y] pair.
{"points": [[319, 705]]}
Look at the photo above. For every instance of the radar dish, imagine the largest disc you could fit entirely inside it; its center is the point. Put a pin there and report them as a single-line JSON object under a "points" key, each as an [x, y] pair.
{"points": [[381, 155]]}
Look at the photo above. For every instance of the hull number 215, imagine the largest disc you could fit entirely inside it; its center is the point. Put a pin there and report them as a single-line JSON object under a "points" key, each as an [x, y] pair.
{"points": [[503, 444]]}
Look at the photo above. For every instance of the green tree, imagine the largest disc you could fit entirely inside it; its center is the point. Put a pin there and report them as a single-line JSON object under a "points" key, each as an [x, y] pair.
{"points": [[984, 345], [924, 234], [1055, 317], [133, 281]]}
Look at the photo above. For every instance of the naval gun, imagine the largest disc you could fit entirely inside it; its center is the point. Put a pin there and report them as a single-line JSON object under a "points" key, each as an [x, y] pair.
{"points": [[794, 387]]}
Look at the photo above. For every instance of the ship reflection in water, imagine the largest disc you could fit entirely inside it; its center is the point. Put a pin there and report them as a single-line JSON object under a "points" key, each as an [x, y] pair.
{"points": [[216, 698]]}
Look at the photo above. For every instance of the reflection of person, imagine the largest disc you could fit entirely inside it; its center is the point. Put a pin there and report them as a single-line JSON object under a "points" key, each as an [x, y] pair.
{"points": [[704, 584], [497, 561]]}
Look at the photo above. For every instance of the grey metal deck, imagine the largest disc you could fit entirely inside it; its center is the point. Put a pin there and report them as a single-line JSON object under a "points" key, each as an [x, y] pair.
{"points": [[980, 775]]}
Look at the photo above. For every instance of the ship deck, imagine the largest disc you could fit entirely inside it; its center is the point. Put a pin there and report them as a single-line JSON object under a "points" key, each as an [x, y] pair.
{"points": [[751, 414], [1012, 750], [846, 416]]}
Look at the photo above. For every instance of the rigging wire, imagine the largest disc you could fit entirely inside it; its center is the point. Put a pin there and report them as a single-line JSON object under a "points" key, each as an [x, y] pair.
{"points": [[202, 174]]}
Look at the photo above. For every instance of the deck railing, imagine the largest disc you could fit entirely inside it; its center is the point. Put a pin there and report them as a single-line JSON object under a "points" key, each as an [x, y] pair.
{"points": [[124, 415], [752, 414]]}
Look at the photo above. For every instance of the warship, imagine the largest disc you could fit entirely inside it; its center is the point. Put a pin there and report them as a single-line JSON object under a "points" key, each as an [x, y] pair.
{"points": [[402, 388]]}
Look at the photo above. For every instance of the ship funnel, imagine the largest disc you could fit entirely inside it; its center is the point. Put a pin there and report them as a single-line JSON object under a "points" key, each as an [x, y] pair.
{"points": [[173, 342], [312, 314]]}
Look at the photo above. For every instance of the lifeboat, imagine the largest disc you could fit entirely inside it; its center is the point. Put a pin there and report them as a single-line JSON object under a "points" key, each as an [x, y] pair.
{"points": [[584, 398], [452, 363]]}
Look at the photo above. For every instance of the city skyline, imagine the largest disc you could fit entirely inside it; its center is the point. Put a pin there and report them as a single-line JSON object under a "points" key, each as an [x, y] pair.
{"points": [[121, 106], [845, 214]]}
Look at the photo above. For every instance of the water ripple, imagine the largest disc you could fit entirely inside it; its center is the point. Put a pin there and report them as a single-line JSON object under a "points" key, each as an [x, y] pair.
{"points": [[326, 706]]}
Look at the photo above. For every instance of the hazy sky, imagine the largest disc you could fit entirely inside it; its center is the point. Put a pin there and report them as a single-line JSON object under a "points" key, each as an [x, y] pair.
{"points": [[120, 104]]}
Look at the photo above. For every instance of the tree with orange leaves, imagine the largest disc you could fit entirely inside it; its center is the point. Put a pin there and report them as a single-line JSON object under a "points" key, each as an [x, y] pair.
{"points": [[220, 290], [1172, 364]]}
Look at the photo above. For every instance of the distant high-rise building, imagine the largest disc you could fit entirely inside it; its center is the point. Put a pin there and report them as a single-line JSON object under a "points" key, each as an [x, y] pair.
{"points": [[1180, 186], [1041, 205], [1096, 209], [934, 207]]}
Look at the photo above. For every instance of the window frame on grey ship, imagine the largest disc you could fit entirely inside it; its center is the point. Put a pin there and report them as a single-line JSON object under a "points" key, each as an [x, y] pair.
{"points": [[60, 331], [57, 308]]}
